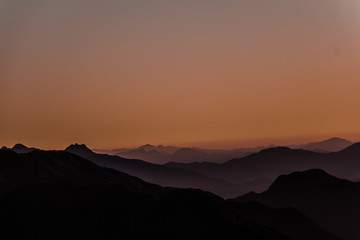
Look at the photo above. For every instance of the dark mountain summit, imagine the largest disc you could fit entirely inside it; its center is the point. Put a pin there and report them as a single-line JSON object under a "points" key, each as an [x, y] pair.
{"points": [[20, 148], [271, 155], [314, 180], [332, 202], [58, 195], [79, 149]]}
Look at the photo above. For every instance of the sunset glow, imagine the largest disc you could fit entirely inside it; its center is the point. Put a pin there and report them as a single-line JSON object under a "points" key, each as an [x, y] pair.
{"points": [[216, 74]]}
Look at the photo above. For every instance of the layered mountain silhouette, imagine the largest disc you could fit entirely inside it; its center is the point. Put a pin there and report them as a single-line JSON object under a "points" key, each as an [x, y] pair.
{"points": [[59, 195], [164, 154], [184, 155], [332, 202], [272, 162], [160, 174], [235, 177], [334, 144]]}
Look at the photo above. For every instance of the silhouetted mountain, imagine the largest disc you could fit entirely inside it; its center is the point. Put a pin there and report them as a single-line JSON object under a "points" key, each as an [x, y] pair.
{"points": [[160, 174], [309, 181], [20, 148], [58, 195], [168, 154], [330, 145], [167, 149], [330, 201], [80, 150], [182, 155], [164, 154], [42, 167], [268, 163], [147, 148], [272, 162]]}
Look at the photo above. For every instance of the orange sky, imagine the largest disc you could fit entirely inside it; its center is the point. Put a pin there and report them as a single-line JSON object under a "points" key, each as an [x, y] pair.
{"points": [[205, 73]]}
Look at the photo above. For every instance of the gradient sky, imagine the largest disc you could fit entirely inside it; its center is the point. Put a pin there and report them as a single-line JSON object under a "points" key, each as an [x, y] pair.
{"points": [[205, 73]]}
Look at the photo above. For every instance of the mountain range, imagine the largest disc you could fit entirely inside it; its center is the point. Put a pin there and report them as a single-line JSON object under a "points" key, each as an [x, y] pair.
{"points": [[163, 154], [232, 178], [60, 195], [272, 162], [161, 174]]}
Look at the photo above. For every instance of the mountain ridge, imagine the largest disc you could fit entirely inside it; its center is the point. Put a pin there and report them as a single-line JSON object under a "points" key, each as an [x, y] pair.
{"points": [[159, 174], [330, 201]]}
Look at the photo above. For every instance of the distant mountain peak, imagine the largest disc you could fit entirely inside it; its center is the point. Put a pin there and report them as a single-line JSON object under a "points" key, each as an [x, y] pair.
{"points": [[76, 145], [280, 148], [333, 144], [78, 149], [19, 145], [147, 145], [336, 139], [21, 148], [307, 181]]}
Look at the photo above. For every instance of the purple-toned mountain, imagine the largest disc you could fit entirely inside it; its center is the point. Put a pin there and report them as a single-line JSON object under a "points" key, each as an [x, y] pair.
{"points": [[161, 174], [164, 154], [334, 144], [272, 162]]}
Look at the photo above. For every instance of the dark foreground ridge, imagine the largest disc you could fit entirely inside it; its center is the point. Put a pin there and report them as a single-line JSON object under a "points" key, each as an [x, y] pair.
{"points": [[58, 195], [332, 202]]}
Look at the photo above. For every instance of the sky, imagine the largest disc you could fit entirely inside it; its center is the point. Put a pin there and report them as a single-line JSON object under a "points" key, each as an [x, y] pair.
{"points": [[217, 74]]}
